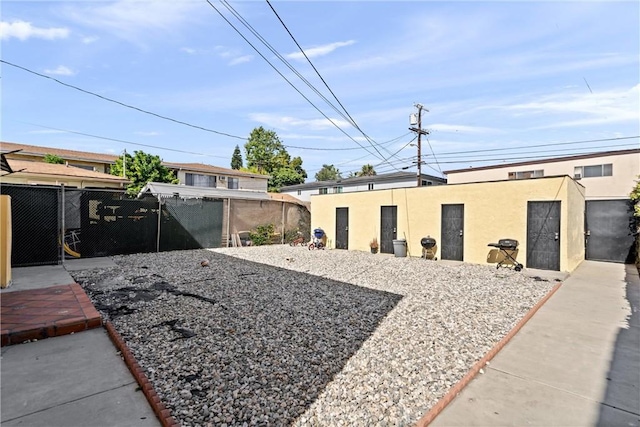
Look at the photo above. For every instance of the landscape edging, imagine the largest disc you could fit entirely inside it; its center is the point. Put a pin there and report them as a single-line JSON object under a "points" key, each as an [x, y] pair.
{"points": [[460, 385]]}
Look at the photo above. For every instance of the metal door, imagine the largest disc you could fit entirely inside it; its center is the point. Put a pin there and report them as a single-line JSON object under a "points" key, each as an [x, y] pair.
{"points": [[543, 235], [388, 228], [452, 238], [342, 228], [608, 234]]}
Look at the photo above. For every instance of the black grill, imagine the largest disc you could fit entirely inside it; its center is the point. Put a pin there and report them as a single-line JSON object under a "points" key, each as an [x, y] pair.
{"points": [[428, 242], [508, 244]]}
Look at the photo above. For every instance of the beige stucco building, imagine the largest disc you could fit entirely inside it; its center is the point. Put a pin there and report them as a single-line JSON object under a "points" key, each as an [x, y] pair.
{"points": [[605, 176], [546, 216]]}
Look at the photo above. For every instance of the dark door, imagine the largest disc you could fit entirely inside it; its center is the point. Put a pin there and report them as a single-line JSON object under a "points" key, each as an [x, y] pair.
{"points": [[388, 228], [452, 239], [342, 228], [543, 235], [608, 233]]}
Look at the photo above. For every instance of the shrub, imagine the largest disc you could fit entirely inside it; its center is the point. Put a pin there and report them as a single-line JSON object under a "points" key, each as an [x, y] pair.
{"points": [[262, 234]]}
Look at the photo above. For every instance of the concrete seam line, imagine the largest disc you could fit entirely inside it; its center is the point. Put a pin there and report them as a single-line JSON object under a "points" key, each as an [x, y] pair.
{"points": [[460, 385], [163, 414]]}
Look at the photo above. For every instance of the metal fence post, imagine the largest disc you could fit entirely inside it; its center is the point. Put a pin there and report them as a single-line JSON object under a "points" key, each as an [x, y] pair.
{"points": [[159, 218], [283, 229], [62, 223], [228, 220]]}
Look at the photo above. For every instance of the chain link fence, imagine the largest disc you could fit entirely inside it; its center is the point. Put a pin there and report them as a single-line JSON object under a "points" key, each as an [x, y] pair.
{"points": [[51, 224]]}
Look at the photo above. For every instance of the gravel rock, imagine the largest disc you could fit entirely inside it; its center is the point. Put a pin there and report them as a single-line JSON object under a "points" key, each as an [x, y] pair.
{"points": [[332, 338]]}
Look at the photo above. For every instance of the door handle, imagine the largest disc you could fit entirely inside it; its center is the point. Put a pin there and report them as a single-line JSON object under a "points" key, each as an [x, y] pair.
{"points": [[394, 230], [557, 236], [460, 232], [346, 228], [588, 233]]}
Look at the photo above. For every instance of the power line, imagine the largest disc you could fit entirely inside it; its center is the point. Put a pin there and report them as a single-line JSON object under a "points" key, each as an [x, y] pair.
{"points": [[282, 75], [125, 142], [344, 149], [323, 80], [121, 103]]}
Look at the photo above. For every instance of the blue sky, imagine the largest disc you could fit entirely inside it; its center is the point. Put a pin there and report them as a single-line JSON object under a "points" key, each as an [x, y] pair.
{"points": [[503, 81]]}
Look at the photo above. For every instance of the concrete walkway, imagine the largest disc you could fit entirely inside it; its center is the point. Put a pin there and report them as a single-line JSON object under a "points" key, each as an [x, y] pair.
{"points": [[575, 363], [70, 380]]}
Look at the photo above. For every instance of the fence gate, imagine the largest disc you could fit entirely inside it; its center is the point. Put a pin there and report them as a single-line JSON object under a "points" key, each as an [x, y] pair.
{"points": [[35, 216]]}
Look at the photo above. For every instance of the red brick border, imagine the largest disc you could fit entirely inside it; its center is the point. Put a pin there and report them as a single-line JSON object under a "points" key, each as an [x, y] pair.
{"points": [[161, 411], [460, 385]]}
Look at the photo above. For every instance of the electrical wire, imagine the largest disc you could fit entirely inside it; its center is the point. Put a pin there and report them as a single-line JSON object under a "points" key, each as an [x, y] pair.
{"points": [[124, 141], [353, 122], [287, 80], [120, 103], [344, 149]]}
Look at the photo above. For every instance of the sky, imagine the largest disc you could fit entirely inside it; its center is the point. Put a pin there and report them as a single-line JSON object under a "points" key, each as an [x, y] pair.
{"points": [[499, 82]]}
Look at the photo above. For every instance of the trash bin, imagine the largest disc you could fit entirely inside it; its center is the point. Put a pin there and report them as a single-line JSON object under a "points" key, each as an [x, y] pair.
{"points": [[400, 248]]}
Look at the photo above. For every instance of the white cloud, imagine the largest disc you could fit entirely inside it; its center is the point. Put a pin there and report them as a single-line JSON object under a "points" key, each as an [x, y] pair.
{"points": [[319, 50], [61, 70], [579, 108], [132, 20], [89, 39], [25, 30], [188, 50], [287, 122], [241, 60], [151, 133]]}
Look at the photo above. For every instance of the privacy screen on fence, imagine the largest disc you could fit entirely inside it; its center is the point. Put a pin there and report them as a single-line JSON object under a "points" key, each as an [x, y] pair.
{"points": [[105, 222], [35, 224]]}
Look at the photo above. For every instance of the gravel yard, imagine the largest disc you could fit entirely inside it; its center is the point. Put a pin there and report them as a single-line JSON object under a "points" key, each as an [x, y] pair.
{"points": [[280, 335]]}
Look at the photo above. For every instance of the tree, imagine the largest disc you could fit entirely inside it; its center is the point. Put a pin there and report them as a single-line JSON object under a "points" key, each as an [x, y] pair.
{"points": [[142, 168], [328, 173], [635, 198], [265, 154], [52, 158], [236, 159], [367, 170]]}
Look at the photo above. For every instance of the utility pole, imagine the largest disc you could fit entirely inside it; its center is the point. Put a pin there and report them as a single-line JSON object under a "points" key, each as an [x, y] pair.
{"points": [[417, 119], [124, 164]]}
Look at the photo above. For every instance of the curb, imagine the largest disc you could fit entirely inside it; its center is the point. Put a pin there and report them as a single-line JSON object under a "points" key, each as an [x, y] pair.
{"points": [[460, 385], [161, 411]]}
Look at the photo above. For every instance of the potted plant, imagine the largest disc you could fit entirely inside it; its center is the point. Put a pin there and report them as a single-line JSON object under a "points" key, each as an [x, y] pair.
{"points": [[374, 245]]}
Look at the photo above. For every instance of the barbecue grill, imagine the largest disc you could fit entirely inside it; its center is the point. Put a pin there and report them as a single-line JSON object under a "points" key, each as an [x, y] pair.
{"points": [[509, 251], [429, 248]]}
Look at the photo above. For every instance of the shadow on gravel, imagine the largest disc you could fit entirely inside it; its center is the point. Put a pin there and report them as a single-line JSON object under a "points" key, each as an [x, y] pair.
{"points": [[621, 405], [236, 341]]}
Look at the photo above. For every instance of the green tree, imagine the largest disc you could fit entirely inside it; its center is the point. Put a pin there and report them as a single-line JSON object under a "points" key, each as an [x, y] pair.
{"points": [[328, 173], [635, 197], [265, 154], [367, 170], [236, 159], [52, 158], [142, 168]]}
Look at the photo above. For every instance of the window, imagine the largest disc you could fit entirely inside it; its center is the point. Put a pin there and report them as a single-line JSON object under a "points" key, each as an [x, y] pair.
{"points": [[593, 171], [337, 190], [425, 183], [371, 186], [526, 174], [85, 167], [197, 180], [299, 192], [323, 190], [233, 183]]}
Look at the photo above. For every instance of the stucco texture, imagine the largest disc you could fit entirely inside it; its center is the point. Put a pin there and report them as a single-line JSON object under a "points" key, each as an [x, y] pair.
{"points": [[492, 211]]}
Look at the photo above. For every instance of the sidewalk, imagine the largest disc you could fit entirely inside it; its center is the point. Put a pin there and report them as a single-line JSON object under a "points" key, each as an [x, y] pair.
{"points": [[575, 363], [71, 380]]}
